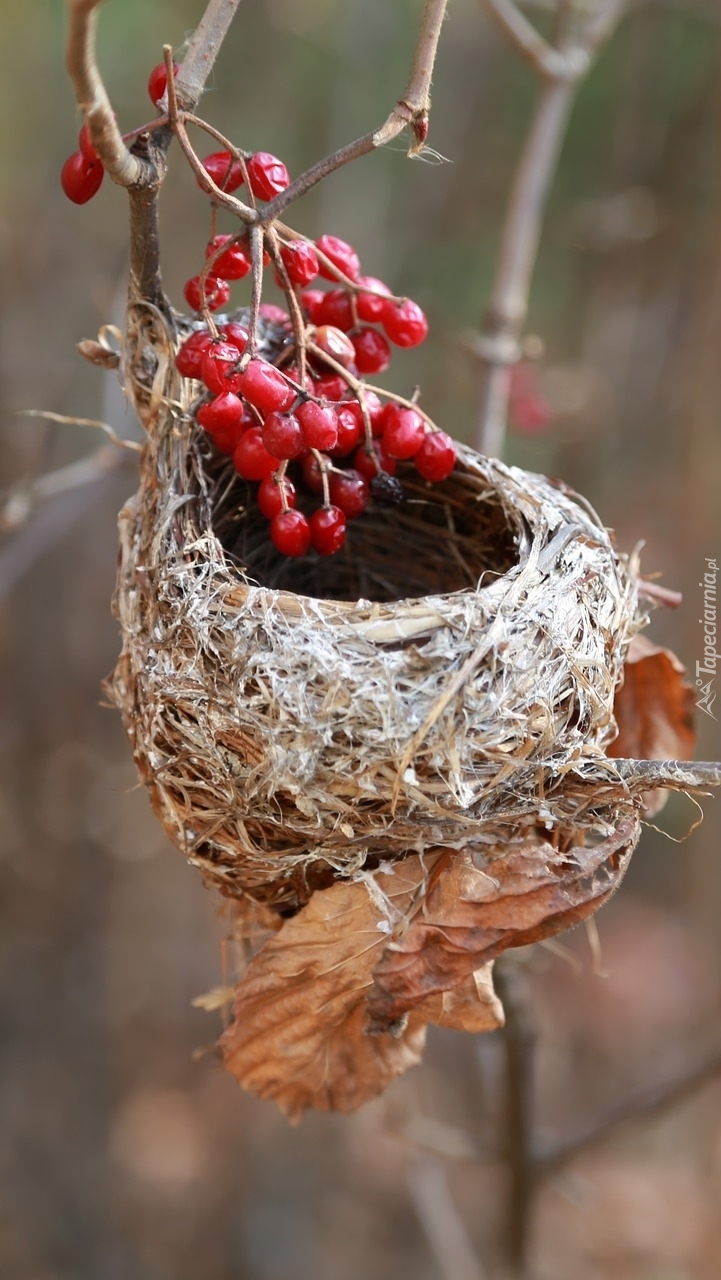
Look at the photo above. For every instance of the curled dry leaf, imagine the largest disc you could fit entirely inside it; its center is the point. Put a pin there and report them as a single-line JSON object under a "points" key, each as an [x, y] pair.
{"points": [[477, 906], [335, 1004], [299, 1034], [654, 711]]}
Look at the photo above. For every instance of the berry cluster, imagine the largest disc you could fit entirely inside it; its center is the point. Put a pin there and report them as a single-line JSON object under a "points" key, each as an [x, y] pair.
{"points": [[304, 425], [338, 437]]}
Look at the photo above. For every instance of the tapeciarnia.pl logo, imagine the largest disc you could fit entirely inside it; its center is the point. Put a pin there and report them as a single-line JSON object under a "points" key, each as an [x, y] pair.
{"points": [[710, 656]]}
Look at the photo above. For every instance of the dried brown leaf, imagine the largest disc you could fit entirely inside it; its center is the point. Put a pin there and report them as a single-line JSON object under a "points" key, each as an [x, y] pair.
{"points": [[654, 711], [472, 1006], [472, 913], [299, 1034]]}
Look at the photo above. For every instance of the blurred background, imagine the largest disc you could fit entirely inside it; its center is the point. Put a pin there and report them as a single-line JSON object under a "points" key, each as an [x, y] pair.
{"points": [[126, 1152]]}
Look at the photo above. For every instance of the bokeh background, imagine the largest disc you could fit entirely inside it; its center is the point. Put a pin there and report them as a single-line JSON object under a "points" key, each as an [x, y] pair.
{"points": [[125, 1151]]}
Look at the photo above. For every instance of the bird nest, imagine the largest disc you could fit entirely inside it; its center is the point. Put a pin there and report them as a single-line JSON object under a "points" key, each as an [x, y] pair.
{"points": [[395, 760], [445, 681]]}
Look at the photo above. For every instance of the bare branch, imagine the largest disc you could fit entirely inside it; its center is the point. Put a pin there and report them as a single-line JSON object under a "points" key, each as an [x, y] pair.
{"points": [[562, 66], [202, 50], [651, 1102], [411, 109], [519, 1035], [546, 59], [122, 166], [442, 1224], [25, 498]]}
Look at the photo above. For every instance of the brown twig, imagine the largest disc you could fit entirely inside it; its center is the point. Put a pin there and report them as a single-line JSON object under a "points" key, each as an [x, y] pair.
{"points": [[119, 162], [519, 1036], [442, 1224], [203, 48], [561, 67], [650, 1102], [142, 168], [411, 109]]}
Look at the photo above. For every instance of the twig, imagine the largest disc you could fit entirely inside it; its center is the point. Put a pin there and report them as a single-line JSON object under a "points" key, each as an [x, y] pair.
{"points": [[652, 1101], [441, 1222], [519, 1037], [19, 505], [142, 168], [411, 109], [202, 50], [561, 66], [120, 163]]}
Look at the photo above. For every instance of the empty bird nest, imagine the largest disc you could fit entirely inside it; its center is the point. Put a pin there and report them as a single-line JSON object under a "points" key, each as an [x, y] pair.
{"points": [[395, 760]]}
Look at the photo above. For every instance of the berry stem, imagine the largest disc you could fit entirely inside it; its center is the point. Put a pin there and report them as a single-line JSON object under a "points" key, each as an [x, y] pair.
{"points": [[256, 256], [296, 315]]}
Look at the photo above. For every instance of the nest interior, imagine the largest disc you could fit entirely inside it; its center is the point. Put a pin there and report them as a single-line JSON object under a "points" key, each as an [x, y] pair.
{"points": [[447, 680]]}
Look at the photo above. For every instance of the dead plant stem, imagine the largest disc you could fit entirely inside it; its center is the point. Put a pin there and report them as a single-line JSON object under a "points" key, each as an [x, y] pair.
{"points": [[411, 109], [561, 68]]}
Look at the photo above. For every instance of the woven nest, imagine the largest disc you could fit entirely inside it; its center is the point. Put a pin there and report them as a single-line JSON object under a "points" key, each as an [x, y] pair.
{"points": [[445, 681]]}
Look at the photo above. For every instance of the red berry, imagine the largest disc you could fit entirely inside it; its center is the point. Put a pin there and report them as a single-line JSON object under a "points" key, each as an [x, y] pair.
{"points": [[273, 314], [336, 309], [350, 491], [403, 432], [80, 178], [364, 462], [222, 413], [233, 264], [342, 255], [266, 388], [350, 428], [327, 530], [158, 82], [335, 344], [218, 368], [226, 439], [224, 170], [213, 291], [312, 473], [405, 323], [436, 457], [290, 533], [312, 301], [375, 410], [372, 352], [332, 387], [370, 305], [301, 261], [269, 499], [283, 435], [236, 335], [86, 146], [251, 458], [320, 426], [267, 175], [189, 359]]}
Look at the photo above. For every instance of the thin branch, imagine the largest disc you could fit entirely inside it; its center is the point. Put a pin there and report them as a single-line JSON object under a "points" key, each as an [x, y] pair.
{"points": [[122, 166], [442, 1224], [519, 1035], [203, 48], [411, 109], [543, 57], [19, 505], [561, 66], [651, 1102], [678, 775]]}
